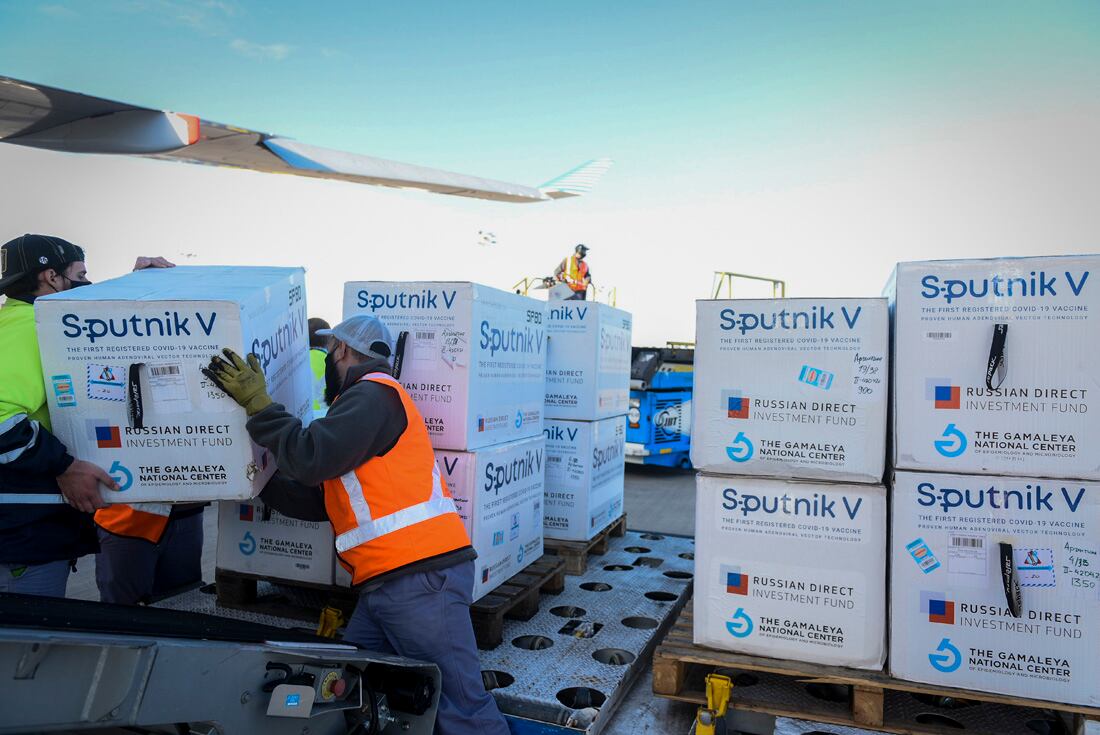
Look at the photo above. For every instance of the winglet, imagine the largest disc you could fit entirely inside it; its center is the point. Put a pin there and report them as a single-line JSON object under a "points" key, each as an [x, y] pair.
{"points": [[577, 181]]}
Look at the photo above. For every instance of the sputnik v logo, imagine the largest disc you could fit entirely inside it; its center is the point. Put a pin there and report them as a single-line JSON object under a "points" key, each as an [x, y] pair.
{"points": [[953, 442], [248, 544], [740, 624], [946, 658], [741, 448], [519, 419]]}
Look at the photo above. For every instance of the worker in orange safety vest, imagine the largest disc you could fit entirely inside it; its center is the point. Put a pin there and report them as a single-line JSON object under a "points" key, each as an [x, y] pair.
{"points": [[574, 272], [368, 468]]}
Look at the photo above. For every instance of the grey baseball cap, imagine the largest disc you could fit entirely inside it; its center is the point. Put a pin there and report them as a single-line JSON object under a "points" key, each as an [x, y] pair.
{"points": [[365, 334]]}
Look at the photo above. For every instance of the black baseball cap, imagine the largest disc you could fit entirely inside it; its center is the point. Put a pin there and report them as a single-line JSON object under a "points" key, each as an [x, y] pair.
{"points": [[582, 248], [31, 254]]}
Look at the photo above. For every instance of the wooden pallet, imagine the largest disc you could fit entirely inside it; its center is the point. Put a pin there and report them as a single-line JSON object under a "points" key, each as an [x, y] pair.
{"points": [[870, 700], [575, 553], [298, 601], [518, 598]]}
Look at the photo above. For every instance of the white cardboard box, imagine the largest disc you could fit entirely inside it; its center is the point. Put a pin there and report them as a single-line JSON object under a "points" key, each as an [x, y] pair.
{"points": [[255, 539], [792, 570], [498, 492], [585, 472], [1037, 411], [145, 336], [588, 361], [950, 623], [475, 357], [793, 388]]}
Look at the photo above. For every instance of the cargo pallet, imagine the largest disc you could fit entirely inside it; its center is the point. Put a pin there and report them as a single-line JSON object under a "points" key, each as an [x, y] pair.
{"points": [[281, 599], [869, 700], [575, 553], [568, 669], [517, 599]]}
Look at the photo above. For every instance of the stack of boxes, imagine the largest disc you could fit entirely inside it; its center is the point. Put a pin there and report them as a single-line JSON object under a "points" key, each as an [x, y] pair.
{"points": [[789, 432], [474, 362], [996, 433], [586, 398]]}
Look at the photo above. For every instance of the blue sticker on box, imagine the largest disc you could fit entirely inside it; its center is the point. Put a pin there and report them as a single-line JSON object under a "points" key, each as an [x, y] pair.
{"points": [[923, 555], [63, 392]]}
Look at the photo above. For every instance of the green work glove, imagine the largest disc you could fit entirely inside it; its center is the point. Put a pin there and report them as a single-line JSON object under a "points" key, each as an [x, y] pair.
{"points": [[242, 381]]}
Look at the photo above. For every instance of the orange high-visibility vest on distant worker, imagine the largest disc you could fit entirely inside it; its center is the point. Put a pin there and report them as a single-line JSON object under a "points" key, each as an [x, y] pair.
{"points": [[125, 520], [394, 509], [575, 272]]}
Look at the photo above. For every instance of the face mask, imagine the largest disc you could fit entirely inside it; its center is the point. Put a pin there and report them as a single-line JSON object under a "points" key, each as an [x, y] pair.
{"points": [[333, 380], [76, 284]]}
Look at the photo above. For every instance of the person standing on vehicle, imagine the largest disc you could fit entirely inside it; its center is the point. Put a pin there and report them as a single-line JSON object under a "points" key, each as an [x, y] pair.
{"points": [[573, 271], [368, 468], [40, 542]]}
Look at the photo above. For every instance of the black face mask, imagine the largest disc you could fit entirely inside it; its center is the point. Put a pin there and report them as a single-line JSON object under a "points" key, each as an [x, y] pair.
{"points": [[76, 284], [333, 381]]}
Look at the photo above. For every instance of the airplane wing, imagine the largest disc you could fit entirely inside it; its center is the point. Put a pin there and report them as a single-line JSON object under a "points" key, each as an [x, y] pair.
{"points": [[55, 119]]}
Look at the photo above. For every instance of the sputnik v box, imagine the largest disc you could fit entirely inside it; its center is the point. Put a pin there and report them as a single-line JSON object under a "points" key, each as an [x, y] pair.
{"points": [[995, 366], [121, 361], [474, 360], [791, 569], [585, 473], [950, 622], [255, 539], [588, 361], [791, 388], [498, 492]]}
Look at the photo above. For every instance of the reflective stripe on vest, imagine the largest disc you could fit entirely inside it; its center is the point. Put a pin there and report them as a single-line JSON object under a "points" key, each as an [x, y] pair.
{"points": [[369, 528]]}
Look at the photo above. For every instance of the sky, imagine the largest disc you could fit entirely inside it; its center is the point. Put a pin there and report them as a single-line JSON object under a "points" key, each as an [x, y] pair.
{"points": [[818, 143]]}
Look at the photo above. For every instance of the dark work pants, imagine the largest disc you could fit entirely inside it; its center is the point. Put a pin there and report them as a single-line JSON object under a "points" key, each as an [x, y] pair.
{"points": [[131, 570], [426, 616]]}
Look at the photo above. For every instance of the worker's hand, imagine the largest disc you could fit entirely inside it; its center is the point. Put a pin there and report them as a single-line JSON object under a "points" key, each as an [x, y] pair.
{"points": [[142, 263], [242, 381], [80, 485]]}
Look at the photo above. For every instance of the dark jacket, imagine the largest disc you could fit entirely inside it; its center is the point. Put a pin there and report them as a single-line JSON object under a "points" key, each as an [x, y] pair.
{"points": [[31, 457], [364, 422]]}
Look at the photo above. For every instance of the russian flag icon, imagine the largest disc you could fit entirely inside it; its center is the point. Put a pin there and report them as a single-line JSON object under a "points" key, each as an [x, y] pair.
{"points": [[947, 396], [247, 512]]}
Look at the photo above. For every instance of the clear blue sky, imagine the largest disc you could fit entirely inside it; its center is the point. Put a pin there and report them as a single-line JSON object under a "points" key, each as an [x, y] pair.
{"points": [[521, 90], [819, 142]]}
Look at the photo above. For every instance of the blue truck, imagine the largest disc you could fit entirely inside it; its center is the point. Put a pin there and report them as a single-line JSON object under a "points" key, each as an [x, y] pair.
{"points": [[658, 424]]}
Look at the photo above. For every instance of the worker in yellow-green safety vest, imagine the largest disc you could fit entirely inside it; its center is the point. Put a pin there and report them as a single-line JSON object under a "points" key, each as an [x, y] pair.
{"points": [[40, 541], [318, 354]]}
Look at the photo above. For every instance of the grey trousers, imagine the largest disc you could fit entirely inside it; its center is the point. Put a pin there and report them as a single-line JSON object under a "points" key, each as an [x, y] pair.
{"points": [[132, 570], [43, 580], [426, 616]]}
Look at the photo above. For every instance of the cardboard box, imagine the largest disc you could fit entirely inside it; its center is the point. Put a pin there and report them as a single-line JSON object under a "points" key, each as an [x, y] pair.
{"points": [[788, 726], [498, 492], [122, 358], [1036, 410], [793, 388], [950, 622], [255, 539], [791, 570], [475, 357], [585, 472], [588, 361]]}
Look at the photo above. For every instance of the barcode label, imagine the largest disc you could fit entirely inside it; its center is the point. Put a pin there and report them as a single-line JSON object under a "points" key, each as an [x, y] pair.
{"points": [[159, 370], [968, 542], [425, 335], [938, 335]]}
